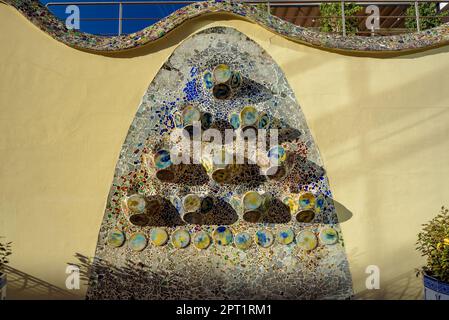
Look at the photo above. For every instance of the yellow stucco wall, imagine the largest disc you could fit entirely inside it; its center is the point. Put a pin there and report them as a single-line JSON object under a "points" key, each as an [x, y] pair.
{"points": [[381, 125]]}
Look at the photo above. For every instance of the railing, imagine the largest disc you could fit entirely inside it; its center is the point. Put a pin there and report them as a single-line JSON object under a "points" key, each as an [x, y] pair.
{"points": [[272, 6]]}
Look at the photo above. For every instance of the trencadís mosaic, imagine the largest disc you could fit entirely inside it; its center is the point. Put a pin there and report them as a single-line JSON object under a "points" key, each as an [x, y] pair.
{"points": [[207, 231], [41, 17]]}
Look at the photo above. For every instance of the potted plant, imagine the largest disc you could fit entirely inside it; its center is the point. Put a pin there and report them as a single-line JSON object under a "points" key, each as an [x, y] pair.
{"points": [[433, 243], [5, 252]]}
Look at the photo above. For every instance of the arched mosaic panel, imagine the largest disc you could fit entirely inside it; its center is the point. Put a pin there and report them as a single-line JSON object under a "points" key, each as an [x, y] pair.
{"points": [[293, 250]]}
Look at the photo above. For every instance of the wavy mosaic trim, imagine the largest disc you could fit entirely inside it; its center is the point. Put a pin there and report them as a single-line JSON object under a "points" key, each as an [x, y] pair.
{"points": [[45, 20]]}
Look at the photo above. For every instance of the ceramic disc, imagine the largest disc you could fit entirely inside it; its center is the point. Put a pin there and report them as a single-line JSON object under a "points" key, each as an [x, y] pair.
{"points": [[252, 200], [136, 203], [222, 73], [307, 240], [159, 236], [137, 242], [116, 238], [285, 236], [248, 116], [243, 240], [306, 201], [264, 238], [222, 236], [328, 236], [162, 159], [201, 240], [180, 238]]}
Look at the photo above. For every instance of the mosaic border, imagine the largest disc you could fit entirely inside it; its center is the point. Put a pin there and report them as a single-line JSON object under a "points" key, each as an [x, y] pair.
{"points": [[46, 21]]}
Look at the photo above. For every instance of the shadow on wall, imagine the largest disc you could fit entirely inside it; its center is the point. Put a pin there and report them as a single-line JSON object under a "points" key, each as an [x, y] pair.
{"points": [[107, 281], [24, 286], [406, 286]]}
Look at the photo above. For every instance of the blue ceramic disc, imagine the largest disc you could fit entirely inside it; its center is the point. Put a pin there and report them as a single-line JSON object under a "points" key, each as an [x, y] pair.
{"points": [[285, 236], [264, 238], [222, 236], [243, 241]]}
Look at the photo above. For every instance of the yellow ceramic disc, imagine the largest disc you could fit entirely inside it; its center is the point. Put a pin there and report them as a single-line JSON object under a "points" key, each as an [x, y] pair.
{"points": [[291, 203], [222, 73], [180, 238], [116, 238], [306, 201], [222, 236], [158, 236], [285, 236], [307, 240], [191, 203], [201, 240], [136, 203], [252, 200], [328, 236], [248, 116]]}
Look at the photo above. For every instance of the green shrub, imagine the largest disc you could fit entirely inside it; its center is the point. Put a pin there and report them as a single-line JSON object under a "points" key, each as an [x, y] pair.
{"points": [[5, 252], [433, 243], [426, 9], [331, 17]]}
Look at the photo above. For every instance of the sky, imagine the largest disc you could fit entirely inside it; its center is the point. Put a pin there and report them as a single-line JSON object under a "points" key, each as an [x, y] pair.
{"points": [[110, 27]]}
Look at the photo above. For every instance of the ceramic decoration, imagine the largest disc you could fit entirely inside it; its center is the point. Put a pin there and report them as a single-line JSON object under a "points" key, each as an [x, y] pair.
{"points": [[222, 236], [201, 240], [306, 240], [139, 219], [234, 120], [263, 121], [137, 241], [328, 236], [236, 80], [180, 239], [248, 116], [162, 159], [183, 80], [320, 203], [406, 42], [190, 114], [208, 80], [158, 236], [243, 240], [285, 236], [306, 201], [291, 203], [207, 204], [264, 238], [136, 203], [191, 203], [116, 238], [221, 91], [305, 216], [222, 73]]}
